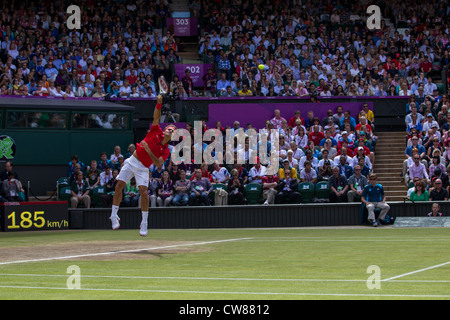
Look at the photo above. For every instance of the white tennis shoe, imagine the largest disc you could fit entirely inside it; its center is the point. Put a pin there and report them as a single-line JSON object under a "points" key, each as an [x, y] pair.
{"points": [[143, 231], [115, 222]]}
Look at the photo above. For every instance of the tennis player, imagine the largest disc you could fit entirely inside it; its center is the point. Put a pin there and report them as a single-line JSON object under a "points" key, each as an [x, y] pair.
{"points": [[153, 149]]}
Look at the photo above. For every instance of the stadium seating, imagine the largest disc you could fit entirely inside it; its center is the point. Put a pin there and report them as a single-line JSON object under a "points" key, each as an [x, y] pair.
{"points": [[253, 193], [65, 194], [61, 183], [306, 189], [216, 186], [322, 190], [96, 194]]}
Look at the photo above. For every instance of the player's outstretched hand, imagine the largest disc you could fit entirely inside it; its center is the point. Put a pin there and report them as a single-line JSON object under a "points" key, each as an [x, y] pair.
{"points": [[159, 99]]}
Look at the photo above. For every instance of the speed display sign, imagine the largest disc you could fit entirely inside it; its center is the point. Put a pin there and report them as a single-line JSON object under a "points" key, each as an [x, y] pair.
{"points": [[27, 216]]}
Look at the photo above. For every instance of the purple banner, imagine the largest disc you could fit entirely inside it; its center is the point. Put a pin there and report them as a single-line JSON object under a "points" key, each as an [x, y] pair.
{"points": [[258, 113], [197, 72], [183, 27]]}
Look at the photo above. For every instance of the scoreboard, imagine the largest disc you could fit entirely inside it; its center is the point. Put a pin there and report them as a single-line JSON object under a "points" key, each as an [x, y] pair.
{"points": [[32, 216]]}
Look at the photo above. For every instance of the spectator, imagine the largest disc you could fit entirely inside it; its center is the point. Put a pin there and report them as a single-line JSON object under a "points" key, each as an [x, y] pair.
{"points": [[220, 174], [338, 185], [245, 92], [93, 175], [188, 83], [115, 156], [307, 174], [287, 166], [420, 193], [80, 192], [9, 168], [257, 172], [438, 193], [270, 184], [210, 81], [316, 135], [181, 190], [200, 189], [165, 190], [174, 172], [235, 189], [325, 172], [131, 193], [223, 83], [104, 162], [277, 119], [435, 208], [418, 169], [224, 66], [414, 145], [70, 169], [357, 183], [105, 176], [373, 197], [287, 190], [82, 91], [11, 188]]}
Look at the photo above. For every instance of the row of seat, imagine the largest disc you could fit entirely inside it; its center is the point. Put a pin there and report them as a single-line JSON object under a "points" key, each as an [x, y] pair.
{"points": [[253, 191]]}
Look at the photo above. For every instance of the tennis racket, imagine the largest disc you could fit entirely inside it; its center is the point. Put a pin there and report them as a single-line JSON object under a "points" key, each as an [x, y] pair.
{"points": [[163, 87]]}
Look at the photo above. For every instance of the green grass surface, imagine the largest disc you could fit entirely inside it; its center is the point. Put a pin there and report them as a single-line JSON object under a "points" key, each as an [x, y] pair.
{"points": [[260, 264]]}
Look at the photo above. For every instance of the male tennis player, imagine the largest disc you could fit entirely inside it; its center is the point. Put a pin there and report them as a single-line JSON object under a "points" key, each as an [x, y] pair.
{"points": [[153, 149]]}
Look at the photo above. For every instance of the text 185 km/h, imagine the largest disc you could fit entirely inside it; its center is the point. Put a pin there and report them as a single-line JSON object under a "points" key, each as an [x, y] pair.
{"points": [[35, 220]]}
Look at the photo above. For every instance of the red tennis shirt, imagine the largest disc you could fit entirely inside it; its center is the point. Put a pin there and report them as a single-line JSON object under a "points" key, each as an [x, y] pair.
{"points": [[153, 139]]}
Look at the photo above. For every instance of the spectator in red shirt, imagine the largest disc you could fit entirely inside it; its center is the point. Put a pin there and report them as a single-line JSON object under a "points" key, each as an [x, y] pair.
{"points": [[270, 184], [316, 135], [297, 115], [426, 65], [132, 78]]}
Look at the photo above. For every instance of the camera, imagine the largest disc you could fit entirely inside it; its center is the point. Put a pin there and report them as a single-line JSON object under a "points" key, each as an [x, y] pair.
{"points": [[165, 108]]}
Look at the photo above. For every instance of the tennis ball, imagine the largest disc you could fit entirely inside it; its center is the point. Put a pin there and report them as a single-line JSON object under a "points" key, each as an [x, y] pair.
{"points": [[261, 67]]}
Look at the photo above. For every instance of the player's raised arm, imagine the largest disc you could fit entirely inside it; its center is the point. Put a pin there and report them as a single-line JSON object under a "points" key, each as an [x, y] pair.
{"points": [[157, 112]]}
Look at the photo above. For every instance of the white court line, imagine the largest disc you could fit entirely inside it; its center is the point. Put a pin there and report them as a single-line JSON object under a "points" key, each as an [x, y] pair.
{"points": [[208, 278], [417, 271], [235, 293], [341, 240], [122, 251]]}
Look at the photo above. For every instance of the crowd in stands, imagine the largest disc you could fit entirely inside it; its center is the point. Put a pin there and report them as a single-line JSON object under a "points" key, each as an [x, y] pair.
{"points": [[313, 47], [426, 167], [338, 149], [306, 48], [117, 51]]}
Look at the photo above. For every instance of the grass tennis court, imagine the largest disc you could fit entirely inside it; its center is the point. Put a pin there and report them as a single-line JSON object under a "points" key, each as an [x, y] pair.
{"points": [[205, 264]]}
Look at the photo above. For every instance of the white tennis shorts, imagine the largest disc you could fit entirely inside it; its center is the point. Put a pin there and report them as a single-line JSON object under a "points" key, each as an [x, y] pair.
{"points": [[132, 167]]}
